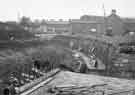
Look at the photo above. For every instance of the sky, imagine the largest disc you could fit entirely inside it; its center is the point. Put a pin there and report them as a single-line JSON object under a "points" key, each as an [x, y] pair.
{"points": [[63, 9]]}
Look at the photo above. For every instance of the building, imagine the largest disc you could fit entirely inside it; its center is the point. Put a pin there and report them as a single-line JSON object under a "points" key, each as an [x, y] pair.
{"points": [[111, 25], [86, 26], [13, 31], [55, 26]]}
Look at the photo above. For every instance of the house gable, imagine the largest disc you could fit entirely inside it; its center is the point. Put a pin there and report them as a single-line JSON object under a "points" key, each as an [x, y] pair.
{"points": [[116, 24]]}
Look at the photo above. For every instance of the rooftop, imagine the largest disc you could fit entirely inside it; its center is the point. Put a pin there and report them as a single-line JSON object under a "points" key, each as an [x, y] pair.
{"points": [[56, 22]]}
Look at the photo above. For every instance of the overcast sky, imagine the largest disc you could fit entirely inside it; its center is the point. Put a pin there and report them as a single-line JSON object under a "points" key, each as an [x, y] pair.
{"points": [[65, 9]]}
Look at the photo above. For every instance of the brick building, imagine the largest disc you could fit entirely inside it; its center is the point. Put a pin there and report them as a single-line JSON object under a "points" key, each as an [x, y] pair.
{"points": [[87, 26], [111, 25], [55, 26]]}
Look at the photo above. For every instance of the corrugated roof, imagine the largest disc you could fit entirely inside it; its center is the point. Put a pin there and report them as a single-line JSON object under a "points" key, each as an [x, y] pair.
{"points": [[128, 20], [57, 22], [92, 18], [86, 22]]}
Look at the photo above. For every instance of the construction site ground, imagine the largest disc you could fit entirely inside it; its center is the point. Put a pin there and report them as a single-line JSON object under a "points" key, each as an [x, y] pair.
{"points": [[110, 85]]}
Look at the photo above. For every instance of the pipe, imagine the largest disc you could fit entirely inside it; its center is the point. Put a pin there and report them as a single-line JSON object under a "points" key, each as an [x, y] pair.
{"points": [[37, 86], [32, 85], [37, 81]]}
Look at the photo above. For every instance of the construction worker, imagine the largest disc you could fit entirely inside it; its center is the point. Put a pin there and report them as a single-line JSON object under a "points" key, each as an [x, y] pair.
{"points": [[82, 67], [96, 64], [37, 64], [10, 90]]}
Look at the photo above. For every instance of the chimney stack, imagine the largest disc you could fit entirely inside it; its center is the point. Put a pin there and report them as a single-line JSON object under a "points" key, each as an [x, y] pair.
{"points": [[113, 11]]}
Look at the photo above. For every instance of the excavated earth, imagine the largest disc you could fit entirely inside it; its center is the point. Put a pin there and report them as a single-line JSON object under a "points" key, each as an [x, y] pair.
{"points": [[110, 85]]}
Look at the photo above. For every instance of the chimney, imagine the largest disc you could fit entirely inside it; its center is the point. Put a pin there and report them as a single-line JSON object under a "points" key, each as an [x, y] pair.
{"points": [[113, 12]]}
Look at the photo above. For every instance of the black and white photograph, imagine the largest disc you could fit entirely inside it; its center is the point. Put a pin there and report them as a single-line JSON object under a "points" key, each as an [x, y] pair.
{"points": [[67, 47]]}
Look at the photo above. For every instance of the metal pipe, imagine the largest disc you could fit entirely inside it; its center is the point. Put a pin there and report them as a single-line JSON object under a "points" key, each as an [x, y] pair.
{"points": [[37, 81], [37, 86], [32, 85]]}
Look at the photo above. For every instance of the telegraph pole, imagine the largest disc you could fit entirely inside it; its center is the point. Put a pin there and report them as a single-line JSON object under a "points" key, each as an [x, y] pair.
{"points": [[105, 18], [108, 44]]}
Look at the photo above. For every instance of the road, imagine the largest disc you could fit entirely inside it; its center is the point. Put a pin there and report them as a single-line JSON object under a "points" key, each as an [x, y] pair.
{"points": [[89, 64]]}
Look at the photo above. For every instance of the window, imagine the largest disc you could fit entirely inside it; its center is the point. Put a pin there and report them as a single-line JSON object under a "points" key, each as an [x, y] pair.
{"points": [[110, 28], [51, 29], [93, 30], [109, 31], [65, 31], [131, 33]]}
